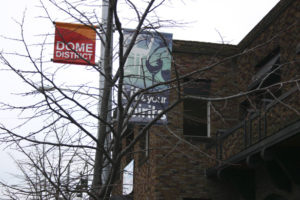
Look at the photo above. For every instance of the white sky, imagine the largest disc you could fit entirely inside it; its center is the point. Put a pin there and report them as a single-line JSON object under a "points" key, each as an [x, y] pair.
{"points": [[232, 19]]}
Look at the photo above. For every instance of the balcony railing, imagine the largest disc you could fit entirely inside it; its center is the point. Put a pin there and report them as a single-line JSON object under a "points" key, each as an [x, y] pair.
{"points": [[263, 123]]}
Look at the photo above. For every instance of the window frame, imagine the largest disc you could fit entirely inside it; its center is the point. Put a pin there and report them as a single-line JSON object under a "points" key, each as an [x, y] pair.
{"points": [[198, 87]]}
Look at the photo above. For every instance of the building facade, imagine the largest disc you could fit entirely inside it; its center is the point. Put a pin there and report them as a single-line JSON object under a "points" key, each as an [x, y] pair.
{"points": [[236, 133]]}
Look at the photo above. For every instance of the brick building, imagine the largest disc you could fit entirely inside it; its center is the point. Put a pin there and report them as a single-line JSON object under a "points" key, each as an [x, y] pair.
{"points": [[241, 138]]}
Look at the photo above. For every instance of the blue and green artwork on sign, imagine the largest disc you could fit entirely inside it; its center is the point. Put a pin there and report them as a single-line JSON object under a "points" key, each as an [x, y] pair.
{"points": [[148, 65]]}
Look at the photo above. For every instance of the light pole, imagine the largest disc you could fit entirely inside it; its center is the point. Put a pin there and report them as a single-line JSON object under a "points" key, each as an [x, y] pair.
{"points": [[105, 7]]}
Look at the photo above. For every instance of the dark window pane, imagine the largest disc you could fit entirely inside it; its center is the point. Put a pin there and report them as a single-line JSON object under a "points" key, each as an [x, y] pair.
{"points": [[129, 137], [143, 147], [267, 72], [195, 117], [198, 87]]}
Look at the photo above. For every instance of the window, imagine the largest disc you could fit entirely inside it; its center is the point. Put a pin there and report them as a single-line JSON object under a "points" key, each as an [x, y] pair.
{"points": [[196, 113], [143, 147], [128, 173], [129, 134], [129, 168], [268, 73], [196, 117]]}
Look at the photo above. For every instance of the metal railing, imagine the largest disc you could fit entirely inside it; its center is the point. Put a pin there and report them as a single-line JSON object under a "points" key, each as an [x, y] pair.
{"points": [[249, 131]]}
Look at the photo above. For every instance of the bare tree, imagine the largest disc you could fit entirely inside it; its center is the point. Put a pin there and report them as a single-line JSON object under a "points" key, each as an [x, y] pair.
{"points": [[49, 172], [67, 114]]}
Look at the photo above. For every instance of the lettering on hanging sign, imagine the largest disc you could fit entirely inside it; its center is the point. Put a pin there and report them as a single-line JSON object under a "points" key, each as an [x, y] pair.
{"points": [[74, 44]]}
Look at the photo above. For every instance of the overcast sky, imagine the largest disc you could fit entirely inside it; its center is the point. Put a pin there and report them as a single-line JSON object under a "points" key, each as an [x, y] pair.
{"points": [[210, 21]]}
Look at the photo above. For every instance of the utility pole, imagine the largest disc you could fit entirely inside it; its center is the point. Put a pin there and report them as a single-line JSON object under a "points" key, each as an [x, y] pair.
{"points": [[101, 166], [105, 7]]}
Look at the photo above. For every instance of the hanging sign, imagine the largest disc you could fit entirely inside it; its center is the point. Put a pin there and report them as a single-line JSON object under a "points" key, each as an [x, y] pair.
{"points": [[148, 64], [74, 44]]}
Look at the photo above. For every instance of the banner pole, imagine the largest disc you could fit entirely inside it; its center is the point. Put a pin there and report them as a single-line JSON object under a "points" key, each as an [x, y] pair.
{"points": [[105, 7]]}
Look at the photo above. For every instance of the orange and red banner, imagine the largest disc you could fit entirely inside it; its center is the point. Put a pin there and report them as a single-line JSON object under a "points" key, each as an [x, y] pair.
{"points": [[74, 44]]}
